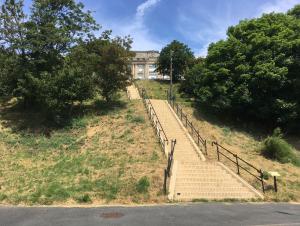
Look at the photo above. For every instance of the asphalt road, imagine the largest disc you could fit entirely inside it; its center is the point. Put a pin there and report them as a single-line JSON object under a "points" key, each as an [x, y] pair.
{"points": [[190, 214]]}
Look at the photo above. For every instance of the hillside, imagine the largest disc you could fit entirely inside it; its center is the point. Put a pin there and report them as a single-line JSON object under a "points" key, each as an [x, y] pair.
{"points": [[98, 158]]}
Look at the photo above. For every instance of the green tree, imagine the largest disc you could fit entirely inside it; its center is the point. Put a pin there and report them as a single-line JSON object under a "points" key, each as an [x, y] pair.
{"points": [[189, 84], [254, 73], [12, 44], [107, 60], [183, 58], [53, 28]]}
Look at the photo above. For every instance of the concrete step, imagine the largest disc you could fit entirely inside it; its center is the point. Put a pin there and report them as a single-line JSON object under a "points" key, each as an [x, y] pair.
{"points": [[213, 196], [194, 178]]}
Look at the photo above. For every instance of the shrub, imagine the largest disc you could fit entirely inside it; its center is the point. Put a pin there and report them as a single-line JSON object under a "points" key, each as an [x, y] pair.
{"points": [[143, 185], [84, 199], [276, 148]]}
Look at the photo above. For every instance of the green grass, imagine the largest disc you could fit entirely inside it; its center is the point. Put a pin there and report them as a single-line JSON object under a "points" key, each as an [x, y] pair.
{"points": [[158, 89], [276, 148], [97, 157]]}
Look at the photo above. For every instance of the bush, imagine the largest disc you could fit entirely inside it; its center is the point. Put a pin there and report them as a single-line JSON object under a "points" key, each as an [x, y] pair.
{"points": [[143, 185], [276, 148], [84, 199]]}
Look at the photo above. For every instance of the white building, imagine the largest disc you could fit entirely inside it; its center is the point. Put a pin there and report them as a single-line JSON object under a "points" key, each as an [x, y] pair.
{"points": [[144, 65]]}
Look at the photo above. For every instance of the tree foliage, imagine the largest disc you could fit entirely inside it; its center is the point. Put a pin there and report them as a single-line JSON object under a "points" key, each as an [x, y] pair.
{"points": [[51, 58], [254, 73], [183, 58]]}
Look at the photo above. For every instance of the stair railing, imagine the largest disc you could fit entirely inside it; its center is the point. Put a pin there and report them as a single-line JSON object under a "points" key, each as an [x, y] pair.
{"points": [[169, 165], [241, 164], [200, 141], [163, 139]]}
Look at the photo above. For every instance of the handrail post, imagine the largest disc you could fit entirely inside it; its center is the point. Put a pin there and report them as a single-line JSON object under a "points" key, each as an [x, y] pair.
{"points": [[192, 128], [165, 181], [218, 151], [186, 125], [275, 184], [262, 180], [237, 164], [181, 114]]}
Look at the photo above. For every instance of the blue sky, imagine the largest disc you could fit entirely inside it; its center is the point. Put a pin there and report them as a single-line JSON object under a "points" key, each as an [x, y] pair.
{"points": [[154, 23]]}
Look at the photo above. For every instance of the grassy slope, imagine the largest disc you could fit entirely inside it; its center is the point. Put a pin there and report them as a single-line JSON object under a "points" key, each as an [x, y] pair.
{"points": [[240, 141], [98, 158]]}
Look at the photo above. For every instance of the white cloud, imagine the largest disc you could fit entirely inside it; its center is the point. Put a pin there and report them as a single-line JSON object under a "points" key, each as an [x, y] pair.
{"points": [[278, 6], [144, 6], [136, 28]]}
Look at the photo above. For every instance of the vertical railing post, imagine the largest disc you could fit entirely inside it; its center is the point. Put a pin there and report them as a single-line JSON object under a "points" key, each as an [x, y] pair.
{"points": [[198, 138], [181, 114], [275, 184], [186, 125], [262, 180], [192, 128], [237, 164], [165, 181], [205, 147], [218, 151]]}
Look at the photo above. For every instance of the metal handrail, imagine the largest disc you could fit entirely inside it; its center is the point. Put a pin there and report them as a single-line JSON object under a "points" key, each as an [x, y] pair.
{"points": [[167, 171], [188, 123], [166, 138], [237, 163], [148, 103]]}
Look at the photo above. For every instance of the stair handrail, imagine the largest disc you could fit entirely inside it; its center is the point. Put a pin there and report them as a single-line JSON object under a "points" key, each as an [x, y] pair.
{"points": [[188, 124], [149, 107], [167, 172], [237, 160]]}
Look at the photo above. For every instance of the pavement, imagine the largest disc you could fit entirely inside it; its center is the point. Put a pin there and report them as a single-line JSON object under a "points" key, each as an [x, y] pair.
{"points": [[222, 214]]}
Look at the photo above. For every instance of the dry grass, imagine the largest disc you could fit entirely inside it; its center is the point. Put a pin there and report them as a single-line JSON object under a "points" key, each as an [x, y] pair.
{"points": [[243, 142], [98, 158]]}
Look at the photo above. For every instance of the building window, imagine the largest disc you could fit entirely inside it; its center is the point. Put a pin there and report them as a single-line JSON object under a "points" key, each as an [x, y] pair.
{"points": [[152, 72], [140, 70]]}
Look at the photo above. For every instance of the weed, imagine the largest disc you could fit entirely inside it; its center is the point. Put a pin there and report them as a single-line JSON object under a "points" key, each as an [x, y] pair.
{"points": [[83, 199], [2, 197], [143, 185]]}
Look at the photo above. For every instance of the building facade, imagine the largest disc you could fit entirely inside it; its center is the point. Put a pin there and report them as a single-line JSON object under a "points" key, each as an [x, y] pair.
{"points": [[144, 64]]}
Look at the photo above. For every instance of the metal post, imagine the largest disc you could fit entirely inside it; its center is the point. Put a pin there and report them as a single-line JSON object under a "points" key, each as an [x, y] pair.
{"points": [[237, 164], [198, 137], [218, 152], [275, 183], [165, 181], [181, 114], [262, 180]]}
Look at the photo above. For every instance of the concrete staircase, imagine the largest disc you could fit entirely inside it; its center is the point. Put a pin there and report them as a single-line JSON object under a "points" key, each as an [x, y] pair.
{"points": [[192, 176], [133, 93]]}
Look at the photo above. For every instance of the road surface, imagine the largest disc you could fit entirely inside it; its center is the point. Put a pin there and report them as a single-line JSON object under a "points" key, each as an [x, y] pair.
{"points": [[189, 214]]}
